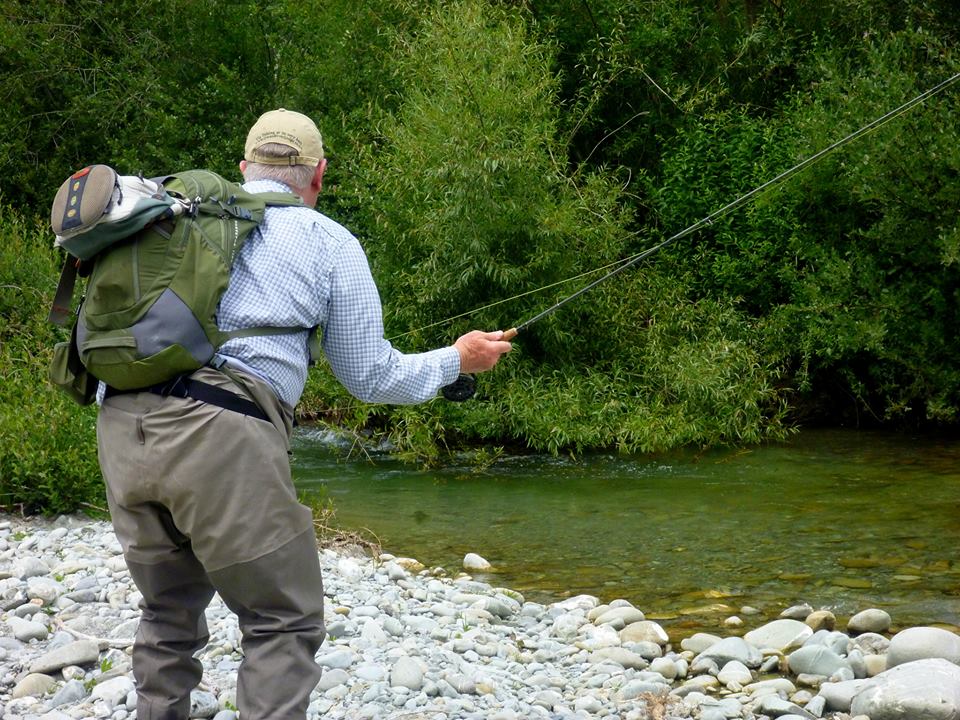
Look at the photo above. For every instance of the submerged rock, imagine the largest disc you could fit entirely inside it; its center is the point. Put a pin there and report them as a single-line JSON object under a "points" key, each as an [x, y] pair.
{"points": [[475, 563]]}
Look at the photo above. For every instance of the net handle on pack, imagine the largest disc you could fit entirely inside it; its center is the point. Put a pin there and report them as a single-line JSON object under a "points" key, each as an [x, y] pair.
{"points": [[217, 206], [60, 312]]}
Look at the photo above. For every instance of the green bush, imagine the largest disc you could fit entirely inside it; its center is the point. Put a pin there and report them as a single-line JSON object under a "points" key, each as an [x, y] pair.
{"points": [[849, 268], [48, 458], [491, 157], [472, 208], [155, 87], [879, 304]]}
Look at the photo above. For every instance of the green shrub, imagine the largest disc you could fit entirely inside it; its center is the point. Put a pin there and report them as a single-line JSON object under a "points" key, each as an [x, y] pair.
{"points": [[848, 269], [152, 87], [48, 459], [471, 208], [493, 156]]}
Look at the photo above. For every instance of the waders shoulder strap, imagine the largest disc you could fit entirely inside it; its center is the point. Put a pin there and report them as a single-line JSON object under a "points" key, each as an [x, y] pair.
{"points": [[313, 340]]}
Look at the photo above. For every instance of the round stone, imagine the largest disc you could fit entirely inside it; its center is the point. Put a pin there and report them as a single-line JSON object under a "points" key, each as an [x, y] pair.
{"points": [[406, 673], [644, 631], [921, 643], [821, 620], [475, 563], [871, 620]]}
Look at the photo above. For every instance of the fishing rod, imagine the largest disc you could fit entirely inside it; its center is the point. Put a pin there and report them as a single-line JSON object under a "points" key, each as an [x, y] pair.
{"points": [[465, 385]]}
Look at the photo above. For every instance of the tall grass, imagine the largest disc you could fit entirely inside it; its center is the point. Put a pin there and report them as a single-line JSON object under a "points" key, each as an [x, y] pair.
{"points": [[48, 456]]}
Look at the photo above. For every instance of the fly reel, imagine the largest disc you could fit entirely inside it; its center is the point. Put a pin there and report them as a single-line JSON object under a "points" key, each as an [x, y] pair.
{"points": [[463, 388]]}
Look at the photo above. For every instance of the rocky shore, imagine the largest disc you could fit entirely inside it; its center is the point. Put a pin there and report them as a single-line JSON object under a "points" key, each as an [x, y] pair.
{"points": [[407, 642]]}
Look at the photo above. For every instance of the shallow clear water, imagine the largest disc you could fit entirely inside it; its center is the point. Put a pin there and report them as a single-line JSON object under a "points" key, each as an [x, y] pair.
{"points": [[841, 520]]}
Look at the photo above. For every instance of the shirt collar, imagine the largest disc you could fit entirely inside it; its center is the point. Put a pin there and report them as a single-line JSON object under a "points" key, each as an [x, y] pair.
{"points": [[260, 186]]}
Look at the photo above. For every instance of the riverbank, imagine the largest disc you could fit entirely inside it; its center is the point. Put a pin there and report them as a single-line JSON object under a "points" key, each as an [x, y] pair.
{"points": [[408, 642]]}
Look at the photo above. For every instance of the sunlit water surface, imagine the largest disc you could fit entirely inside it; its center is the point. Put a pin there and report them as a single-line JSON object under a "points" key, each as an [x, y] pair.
{"points": [[840, 520]]}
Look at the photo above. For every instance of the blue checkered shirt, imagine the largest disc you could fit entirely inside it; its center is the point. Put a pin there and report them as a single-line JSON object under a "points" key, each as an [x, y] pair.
{"points": [[300, 269]]}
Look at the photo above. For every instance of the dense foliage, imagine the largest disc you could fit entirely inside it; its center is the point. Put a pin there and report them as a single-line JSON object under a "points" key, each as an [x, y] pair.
{"points": [[48, 455], [486, 151]]}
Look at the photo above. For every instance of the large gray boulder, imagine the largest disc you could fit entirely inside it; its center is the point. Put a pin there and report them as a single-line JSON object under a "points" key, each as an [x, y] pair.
{"points": [[920, 643], [918, 690]]}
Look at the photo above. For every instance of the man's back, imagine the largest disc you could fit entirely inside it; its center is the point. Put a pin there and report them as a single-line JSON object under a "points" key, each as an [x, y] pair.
{"points": [[301, 269]]}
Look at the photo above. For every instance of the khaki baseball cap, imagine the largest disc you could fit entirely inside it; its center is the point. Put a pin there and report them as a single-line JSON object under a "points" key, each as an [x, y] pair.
{"points": [[287, 128]]}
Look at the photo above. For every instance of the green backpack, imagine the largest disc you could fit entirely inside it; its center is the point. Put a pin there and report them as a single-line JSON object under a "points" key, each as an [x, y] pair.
{"points": [[158, 258]]}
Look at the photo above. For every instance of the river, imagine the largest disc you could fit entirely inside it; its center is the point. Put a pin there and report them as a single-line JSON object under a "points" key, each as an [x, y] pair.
{"points": [[841, 520]]}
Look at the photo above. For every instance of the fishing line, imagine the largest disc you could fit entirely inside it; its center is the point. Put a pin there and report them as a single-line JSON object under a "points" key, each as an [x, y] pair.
{"points": [[739, 202], [510, 299], [625, 263], [464, 387]]}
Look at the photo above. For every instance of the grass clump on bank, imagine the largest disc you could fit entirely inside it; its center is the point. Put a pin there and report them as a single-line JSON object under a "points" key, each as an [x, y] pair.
{"points": [[48, 455]]}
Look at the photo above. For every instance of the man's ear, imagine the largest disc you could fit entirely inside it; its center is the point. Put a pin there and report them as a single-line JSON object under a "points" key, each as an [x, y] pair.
{"points": [[243, 166], [317, 182]]}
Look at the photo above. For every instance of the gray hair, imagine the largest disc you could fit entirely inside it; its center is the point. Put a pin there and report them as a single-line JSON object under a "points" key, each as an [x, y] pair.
{"points": [[295, 176]]}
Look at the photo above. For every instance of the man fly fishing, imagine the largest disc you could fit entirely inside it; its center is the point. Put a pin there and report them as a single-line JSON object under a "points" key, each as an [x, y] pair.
{"points": [[201, 496]]}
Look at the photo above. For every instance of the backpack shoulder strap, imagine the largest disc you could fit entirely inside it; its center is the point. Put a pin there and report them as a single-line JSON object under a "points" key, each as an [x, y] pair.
{"points": [[60, 309]]}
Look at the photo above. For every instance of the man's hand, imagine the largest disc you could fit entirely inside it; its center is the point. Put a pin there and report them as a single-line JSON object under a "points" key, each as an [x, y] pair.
{"points": [[479, 351]]}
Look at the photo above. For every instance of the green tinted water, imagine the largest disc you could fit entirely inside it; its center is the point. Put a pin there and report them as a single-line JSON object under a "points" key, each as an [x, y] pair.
{"points": [[840, 520]]}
